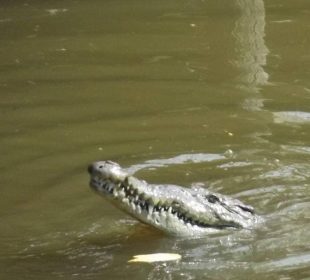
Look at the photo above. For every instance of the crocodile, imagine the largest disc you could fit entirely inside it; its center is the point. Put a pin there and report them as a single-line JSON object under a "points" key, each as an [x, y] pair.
{"points": [[173, 209]]}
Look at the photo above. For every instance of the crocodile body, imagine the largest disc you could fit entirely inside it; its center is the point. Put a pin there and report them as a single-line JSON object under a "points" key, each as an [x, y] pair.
{"points": [[173, 209]]}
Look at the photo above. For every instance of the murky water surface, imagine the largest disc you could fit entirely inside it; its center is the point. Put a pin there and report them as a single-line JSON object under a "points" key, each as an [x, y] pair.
{"points": [[183, 92]]}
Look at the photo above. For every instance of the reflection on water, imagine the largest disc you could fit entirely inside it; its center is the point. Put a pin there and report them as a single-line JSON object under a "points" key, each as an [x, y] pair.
{"points": [[178, 89], [252, 51], [250, 34]]}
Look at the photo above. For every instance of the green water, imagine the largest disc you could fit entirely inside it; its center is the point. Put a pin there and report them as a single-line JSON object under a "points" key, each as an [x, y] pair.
{"points": [[139, 81]]}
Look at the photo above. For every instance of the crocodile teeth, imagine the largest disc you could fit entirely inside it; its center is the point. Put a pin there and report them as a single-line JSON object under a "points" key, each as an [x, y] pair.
{"points": [[115, 193], [155, 208], [150, 206], [138, 209], [133, 206]]}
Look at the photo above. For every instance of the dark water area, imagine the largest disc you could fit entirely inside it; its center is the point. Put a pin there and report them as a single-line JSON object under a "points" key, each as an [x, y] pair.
{"points": [[215, 93]]}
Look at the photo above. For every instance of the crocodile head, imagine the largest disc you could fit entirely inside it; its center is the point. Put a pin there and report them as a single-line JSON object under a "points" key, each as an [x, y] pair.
{"points": [[173, 209]]}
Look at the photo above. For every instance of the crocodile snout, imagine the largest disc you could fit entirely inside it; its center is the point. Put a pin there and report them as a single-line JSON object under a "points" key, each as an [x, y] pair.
{"points": [[106, 169]]}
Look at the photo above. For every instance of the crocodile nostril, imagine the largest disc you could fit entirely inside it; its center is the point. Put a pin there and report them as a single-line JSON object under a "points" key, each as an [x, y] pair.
{"points": [[90, 168]]}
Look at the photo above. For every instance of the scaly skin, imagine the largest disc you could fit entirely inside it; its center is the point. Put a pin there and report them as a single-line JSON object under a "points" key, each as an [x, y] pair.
{"points": [[173, 209]]}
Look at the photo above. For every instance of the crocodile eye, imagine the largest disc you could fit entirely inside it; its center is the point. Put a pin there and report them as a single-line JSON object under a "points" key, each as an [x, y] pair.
{"points": [[246, 208], [212, 198]]}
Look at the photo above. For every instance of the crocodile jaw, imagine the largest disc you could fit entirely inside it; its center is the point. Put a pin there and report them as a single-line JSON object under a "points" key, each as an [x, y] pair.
{"points": [[173, 209]]}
